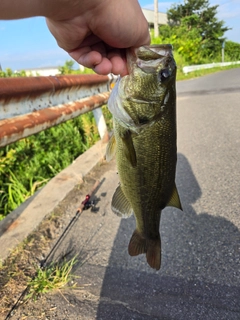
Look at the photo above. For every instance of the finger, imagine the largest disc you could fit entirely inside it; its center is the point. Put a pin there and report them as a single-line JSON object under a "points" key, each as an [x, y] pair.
{"points": [[104, 67], [92, 59], [86, 57], [119, 63], [119, 66]]}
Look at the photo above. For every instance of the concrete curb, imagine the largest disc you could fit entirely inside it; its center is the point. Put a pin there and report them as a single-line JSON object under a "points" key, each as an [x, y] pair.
{"points": [[22, 221]]}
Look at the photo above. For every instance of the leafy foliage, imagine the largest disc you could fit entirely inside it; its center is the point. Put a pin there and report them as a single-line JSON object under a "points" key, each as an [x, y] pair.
{"points": [[67, 68], [10, 73], [232, 50], [54, 277], [29, 163], [26, 165], [194, 30], [201, 16]]}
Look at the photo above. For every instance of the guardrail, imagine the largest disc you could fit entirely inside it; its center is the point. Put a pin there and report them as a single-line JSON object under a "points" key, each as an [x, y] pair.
{"points": [[32, 104], [188, 69]]}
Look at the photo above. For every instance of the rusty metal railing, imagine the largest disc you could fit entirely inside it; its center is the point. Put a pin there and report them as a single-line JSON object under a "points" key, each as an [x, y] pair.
{"points": [[32, 104]]}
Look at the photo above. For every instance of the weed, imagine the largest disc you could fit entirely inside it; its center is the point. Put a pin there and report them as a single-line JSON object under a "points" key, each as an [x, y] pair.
{"points": [[53, 277], [28, 164]]}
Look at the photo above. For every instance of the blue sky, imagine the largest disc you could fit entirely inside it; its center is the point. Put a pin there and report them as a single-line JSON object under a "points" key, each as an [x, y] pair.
{"points": [[27, 43]]}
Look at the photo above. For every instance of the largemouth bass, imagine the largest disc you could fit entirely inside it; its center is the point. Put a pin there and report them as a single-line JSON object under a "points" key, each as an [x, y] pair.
{"points": [[143, 105]]}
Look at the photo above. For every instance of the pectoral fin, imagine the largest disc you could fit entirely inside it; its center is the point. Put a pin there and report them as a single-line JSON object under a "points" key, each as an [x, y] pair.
{"points": [[129, 150], [111, 148], [120, 205], [175, 200]]}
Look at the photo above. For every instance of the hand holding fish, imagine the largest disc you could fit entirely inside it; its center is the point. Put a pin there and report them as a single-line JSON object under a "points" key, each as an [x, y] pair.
{"points": [[94, 32]]}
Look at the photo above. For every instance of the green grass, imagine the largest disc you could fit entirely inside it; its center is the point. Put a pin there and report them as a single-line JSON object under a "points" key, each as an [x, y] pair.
{"points": [[28, 164], [20, 272], [51, 278]]}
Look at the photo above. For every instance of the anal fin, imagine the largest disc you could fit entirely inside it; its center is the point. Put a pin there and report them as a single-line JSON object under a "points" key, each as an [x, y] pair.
{"points": [[120, 204]]}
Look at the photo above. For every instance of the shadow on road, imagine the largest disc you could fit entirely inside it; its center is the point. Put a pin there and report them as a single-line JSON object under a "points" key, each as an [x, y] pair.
{"points": [[200, 273]]}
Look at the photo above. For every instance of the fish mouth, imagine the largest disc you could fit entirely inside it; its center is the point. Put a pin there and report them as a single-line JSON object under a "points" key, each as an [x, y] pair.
{"points": [[156, 51], [146, 56]]}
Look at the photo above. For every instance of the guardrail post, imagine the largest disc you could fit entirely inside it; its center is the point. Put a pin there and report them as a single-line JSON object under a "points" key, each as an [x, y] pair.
{"points": [[101, 124]]}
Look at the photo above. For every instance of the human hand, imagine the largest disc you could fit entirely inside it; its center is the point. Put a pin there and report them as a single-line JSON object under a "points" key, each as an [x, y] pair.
{"points": [[96, 32]]}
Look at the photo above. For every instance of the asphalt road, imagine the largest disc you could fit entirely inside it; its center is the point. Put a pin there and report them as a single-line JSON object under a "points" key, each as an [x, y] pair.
{"points": [[200, 274]]}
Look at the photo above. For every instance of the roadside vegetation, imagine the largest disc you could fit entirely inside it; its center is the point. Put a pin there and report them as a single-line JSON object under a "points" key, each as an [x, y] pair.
{"points": [[51, 278], [28, 164], [29, 272], [197, 37]]}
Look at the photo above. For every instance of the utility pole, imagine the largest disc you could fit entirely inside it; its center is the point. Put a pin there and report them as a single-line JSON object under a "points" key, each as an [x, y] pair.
{"points": [[156, 31], [223, 47]]}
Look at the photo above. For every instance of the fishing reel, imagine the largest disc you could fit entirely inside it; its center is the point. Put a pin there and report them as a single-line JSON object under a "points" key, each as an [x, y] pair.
{"points": [[87, 203]]}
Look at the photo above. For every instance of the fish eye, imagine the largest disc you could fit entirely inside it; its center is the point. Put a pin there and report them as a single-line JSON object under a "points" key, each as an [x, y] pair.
{"points": [[164, 74]]}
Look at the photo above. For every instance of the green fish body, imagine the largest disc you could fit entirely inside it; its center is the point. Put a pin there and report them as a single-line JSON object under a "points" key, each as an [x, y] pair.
{"points": [[143, 105]]}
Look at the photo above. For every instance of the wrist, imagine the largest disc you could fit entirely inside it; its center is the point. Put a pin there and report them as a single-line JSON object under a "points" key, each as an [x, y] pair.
{"points": [[10, 9], [68, 9]]}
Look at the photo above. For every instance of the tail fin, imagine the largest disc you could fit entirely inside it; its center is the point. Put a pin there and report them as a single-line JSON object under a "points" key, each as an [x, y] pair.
{"points": [[138, 244]]}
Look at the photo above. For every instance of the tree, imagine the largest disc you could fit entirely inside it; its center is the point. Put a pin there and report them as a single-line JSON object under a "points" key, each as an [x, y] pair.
{"points": [[9, 72], [67, 68], [232, 50], [199, 15]]}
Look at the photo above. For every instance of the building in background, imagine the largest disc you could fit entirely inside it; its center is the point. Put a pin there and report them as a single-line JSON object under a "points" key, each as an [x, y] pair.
{"points": [[44, 71], [149, 15]]}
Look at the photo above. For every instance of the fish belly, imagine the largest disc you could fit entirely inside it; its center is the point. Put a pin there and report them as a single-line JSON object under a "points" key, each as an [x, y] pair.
{"points": [[148, 186]]}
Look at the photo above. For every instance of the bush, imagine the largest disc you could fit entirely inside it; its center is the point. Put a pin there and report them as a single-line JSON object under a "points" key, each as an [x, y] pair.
{"points": [[28, 164]]}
